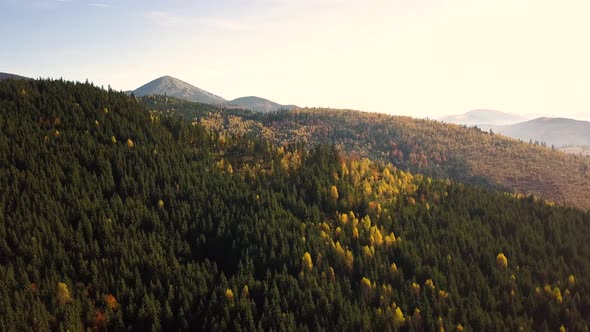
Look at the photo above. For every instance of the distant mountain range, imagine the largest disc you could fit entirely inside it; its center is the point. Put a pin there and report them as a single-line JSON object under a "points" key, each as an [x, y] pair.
{"points": [[173, 87], [560, 132], [481, 117], [553, 131]]}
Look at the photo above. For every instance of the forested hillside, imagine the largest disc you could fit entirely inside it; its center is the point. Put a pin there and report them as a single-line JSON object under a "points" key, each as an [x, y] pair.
{"points": [[465, 154], [114, 217]]}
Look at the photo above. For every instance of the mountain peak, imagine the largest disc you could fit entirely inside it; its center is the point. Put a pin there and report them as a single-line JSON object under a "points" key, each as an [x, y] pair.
{"points": [[259, 104], [169, 78], [174, 87], [8, 76]]}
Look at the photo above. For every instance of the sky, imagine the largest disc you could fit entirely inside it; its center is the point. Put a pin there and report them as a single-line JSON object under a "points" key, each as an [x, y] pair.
{"points": [[423, 58]]}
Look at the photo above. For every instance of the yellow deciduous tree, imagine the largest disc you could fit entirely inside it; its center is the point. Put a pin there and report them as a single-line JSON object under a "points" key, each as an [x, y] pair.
{"points": [[571, 280], [334, 193], [557, 295], [337, 232], [441, 325], [547, 290], [366, 222], [429, 284], [502, 260], [389, 239], [307, 262], [398, 318], [63, 293], [229, 295], [375, 236], [368, 251], [130, 143], [367, 188], [344, 218], [393, 268], [355, 233], [366, 288]]}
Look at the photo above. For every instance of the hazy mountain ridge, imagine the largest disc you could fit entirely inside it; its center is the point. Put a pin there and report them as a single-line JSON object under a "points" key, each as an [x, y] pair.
{"points": [[577, 150], [560, 132], [482, 117]]}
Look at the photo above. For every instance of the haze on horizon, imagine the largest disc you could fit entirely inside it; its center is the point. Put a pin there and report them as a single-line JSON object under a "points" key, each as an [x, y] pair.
{"points": [[419, 58]]}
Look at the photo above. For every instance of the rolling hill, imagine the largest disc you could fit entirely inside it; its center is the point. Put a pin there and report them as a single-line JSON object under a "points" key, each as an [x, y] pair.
{"points": [[170, 86], [483, 117], [259, 104]]}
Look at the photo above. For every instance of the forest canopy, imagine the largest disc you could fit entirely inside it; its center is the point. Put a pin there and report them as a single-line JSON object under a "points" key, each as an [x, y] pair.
{"points": [[465, 154], [117, 216]]}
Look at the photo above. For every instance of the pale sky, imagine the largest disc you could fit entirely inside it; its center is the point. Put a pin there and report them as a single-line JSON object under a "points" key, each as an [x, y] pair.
{"points": [[412, 57]]}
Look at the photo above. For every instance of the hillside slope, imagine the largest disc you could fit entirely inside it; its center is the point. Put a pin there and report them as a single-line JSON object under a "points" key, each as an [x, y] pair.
{"points": [[422, 146]]}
